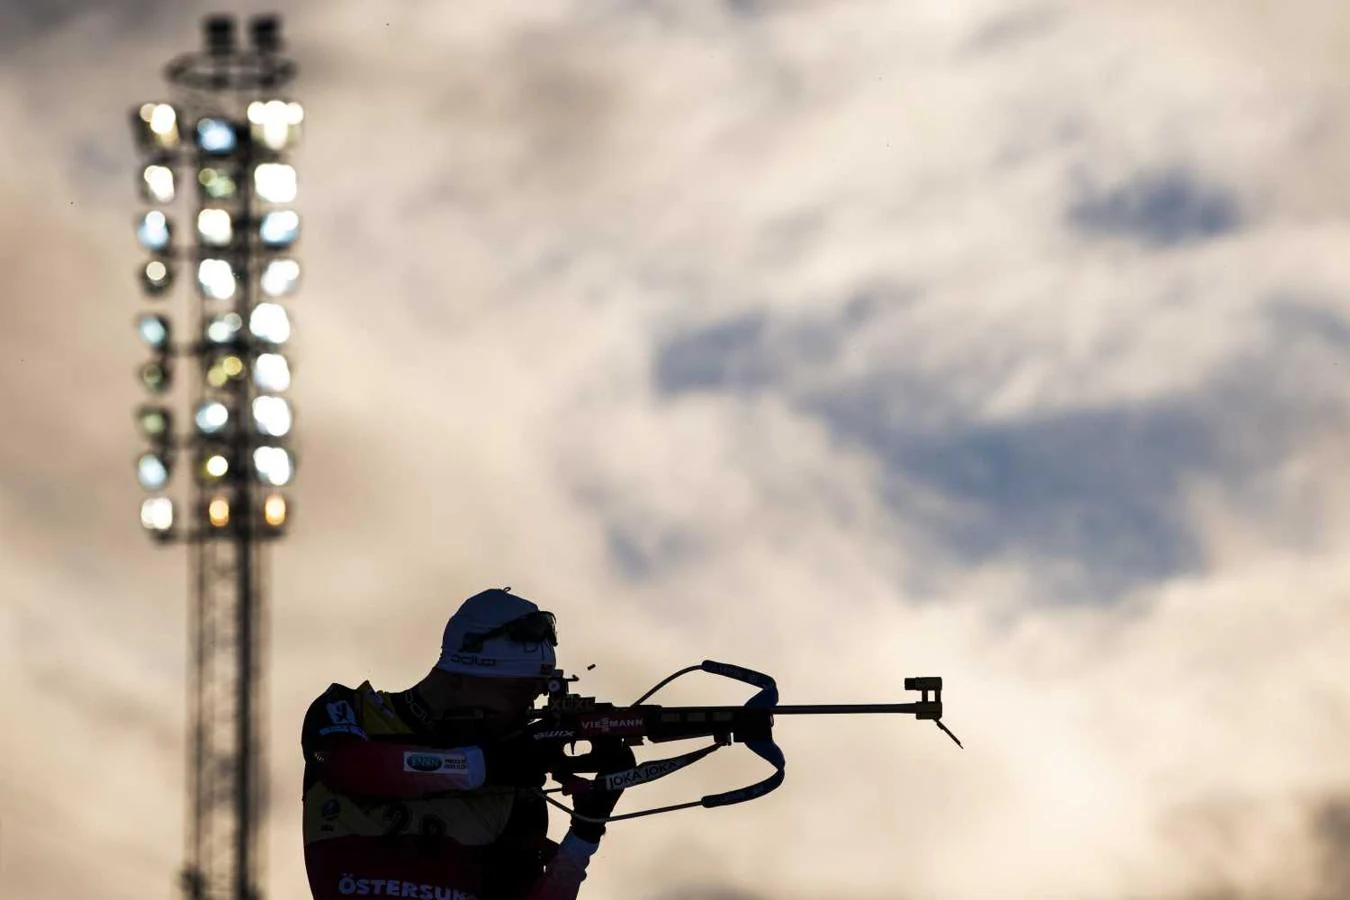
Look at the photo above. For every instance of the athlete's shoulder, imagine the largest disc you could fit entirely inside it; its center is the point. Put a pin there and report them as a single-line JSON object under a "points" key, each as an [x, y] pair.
{"points": [[336, 691], [335, 711]]}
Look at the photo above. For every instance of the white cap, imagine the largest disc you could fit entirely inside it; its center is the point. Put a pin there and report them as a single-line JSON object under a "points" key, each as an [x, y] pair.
{"points": [[500, 656]]}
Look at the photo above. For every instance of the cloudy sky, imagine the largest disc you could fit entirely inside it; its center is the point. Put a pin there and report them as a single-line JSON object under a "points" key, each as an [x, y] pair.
{"points": [[998, 340]]}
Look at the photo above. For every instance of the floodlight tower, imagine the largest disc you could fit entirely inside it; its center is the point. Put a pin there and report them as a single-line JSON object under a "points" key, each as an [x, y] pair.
{"points": [[220, 145]]}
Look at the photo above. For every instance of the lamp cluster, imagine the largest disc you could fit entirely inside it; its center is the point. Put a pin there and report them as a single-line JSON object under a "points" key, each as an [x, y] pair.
{"points": [[241, 269]]}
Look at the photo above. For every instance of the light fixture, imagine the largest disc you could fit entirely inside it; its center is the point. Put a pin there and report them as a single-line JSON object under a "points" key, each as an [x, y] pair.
{"points": [[154, 231], [156, 277], [213, 465], [279, 277], [218, 512], [217, 182], [268, 322], [215, 227], [155, 126], [157, 183], [223, 329], [223, 370], [275, 182], [272, 416], [279, 228], [152, 471], [155, 376], [275, 124], [216, 136], [271, 372], [212, 417], [155, 423], [157, 514], [154, 330], [221, 150], [273, 465], [274, 510], [216, 279]]}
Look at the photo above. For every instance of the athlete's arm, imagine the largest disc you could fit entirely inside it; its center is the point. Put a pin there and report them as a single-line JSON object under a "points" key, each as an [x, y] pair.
{"points": [[567, 870], [564, 874], [342, 756]]}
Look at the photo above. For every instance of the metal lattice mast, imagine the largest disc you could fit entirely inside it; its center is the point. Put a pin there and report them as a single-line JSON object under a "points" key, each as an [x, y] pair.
{"points": [[228, 127]]}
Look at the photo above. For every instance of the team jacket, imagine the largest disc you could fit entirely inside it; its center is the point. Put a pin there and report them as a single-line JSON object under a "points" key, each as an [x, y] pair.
{"points": [[393, 808]]}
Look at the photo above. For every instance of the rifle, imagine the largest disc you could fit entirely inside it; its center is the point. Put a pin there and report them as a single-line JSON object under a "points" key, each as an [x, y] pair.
{"points": [[569, 717]]}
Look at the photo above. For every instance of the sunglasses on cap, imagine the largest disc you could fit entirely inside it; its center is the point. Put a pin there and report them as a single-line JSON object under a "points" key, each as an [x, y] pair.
{"points": [[531, 628]]}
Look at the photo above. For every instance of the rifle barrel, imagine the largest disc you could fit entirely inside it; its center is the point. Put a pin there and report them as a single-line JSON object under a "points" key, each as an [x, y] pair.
{"points": [[811, 710], [848, 708]]}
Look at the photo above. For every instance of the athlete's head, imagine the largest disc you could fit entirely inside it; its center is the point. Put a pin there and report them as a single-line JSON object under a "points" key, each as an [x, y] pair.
{"points": [[496, 653]]}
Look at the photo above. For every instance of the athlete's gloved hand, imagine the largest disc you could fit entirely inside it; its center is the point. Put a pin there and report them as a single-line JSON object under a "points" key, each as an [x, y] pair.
{"points": [[606, 756], [520, 760]]}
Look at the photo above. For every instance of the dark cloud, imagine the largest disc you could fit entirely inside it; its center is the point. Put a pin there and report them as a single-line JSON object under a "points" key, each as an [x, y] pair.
{"points": [[728, 355], [1103, 488], [746, 8], [1159, 209], [1099, 487], [26, 21], [1303, 319], [756, 350], [1014, 29], [637, 553], [1331, 825]]}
